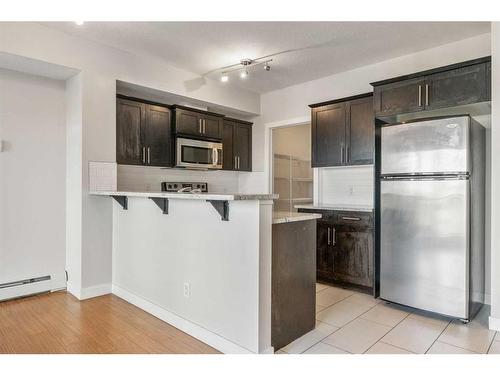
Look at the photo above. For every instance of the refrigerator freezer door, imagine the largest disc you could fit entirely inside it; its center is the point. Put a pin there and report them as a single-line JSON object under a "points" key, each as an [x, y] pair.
{"points": [[434, 146], [425, 244]]}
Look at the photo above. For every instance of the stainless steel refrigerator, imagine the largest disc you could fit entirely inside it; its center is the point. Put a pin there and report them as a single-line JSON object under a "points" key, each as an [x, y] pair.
{"points": [[432, 183]]}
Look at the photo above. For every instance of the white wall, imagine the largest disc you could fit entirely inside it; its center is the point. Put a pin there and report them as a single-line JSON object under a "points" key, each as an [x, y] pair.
{"points": [[345, 186], [495, 178], [32, 178], [92, 96]]}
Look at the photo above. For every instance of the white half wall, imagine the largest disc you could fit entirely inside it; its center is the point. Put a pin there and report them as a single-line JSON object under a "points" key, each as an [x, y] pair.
{"points": [[32, 180], [208, 277]]}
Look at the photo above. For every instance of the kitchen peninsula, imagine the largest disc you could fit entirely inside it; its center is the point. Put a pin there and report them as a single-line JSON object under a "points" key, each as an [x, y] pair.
{"points": [[201, 262]]}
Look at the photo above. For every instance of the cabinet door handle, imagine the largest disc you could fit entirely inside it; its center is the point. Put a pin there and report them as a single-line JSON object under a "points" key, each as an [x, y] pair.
{"points": [[199, 126], [329, 236], [347, 156], [204, 126], [235, 162], [420, 95], [426, 94], [238, 162], [334, 240], [144, 155], [342, 154], [149, 155], [351, 218]]}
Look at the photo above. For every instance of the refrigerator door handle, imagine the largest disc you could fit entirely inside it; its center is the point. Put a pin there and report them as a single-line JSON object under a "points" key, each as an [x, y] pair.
{"points": [[426, 177]]}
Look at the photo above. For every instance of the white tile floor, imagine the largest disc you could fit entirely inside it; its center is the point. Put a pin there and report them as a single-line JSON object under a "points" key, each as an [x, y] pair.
{"points": [[351, 322]]}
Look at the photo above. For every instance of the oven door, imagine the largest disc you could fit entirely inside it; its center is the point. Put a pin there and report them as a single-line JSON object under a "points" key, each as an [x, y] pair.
{"points": [[198, 154]]}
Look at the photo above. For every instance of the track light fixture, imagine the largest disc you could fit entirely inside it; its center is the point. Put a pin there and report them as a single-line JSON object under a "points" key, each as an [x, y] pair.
{"points": [[243, 68]]}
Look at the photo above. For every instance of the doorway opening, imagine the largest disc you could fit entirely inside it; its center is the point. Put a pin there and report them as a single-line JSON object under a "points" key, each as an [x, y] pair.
{"points": [[292, 176]]}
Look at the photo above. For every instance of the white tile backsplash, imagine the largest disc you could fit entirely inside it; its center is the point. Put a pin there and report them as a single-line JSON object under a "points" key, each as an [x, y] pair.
{"points": [[345, 185], [102, 176], [138, 178]]}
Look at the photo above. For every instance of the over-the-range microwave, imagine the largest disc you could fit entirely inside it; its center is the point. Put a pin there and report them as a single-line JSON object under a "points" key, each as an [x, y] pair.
{"points": [[195, 154]]}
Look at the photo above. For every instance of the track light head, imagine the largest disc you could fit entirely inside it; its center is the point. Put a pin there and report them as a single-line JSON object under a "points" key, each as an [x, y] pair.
{"points": [[244, 74], [267, 67], [224, 77]]}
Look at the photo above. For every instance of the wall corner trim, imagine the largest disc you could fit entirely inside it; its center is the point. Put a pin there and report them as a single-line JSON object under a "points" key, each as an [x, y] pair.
{"points": [[192, 329]]}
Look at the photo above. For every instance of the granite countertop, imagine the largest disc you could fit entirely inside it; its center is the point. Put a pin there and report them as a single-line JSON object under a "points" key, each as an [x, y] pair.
{"points": [[335, 207], [287, 217], [195, 196]]}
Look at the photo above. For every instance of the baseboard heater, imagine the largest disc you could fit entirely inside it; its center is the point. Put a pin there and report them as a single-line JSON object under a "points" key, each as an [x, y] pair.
{"points": [[20, 288]]}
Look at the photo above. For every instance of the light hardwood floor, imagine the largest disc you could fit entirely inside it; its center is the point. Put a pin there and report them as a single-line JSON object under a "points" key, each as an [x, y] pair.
{"points": [[59, 323]]}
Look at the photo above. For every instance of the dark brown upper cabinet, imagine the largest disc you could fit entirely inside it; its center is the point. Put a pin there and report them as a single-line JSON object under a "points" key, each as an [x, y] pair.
{"points": [[399, 97], [197, 124], [360, 131], [130, 119], [456, 87], [158, 136], [143, 133], [237, 145], [343, 132], [453, 85], [328, 135]]}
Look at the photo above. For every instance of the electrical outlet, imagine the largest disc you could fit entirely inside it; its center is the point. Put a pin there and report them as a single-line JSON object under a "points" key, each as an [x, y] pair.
{"points": [[187, 290]]}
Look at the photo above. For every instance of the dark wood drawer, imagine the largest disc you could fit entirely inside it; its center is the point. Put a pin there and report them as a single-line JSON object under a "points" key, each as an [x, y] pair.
{"points": [[354, 218]]}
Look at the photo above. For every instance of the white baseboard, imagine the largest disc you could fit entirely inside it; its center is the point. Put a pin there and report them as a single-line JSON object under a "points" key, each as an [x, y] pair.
{"points": [[89, 292], [192, 329], [494, 323], [269, 350], [95, 291]]}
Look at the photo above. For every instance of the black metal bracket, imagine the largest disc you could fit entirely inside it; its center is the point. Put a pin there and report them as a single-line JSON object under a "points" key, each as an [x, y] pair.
{"points": [[122, 200], [222, 208], [162, 203]]}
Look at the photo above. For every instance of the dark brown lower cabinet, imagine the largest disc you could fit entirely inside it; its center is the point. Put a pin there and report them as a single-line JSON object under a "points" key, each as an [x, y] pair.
{"points": [[324, 251], [345, 248], [352, 257]]}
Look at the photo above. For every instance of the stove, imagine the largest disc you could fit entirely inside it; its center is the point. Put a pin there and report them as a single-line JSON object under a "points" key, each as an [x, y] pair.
{"points": [[184, 186]]}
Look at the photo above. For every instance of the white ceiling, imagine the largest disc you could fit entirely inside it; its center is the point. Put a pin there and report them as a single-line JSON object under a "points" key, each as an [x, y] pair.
{"points": [[203, 46]]}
